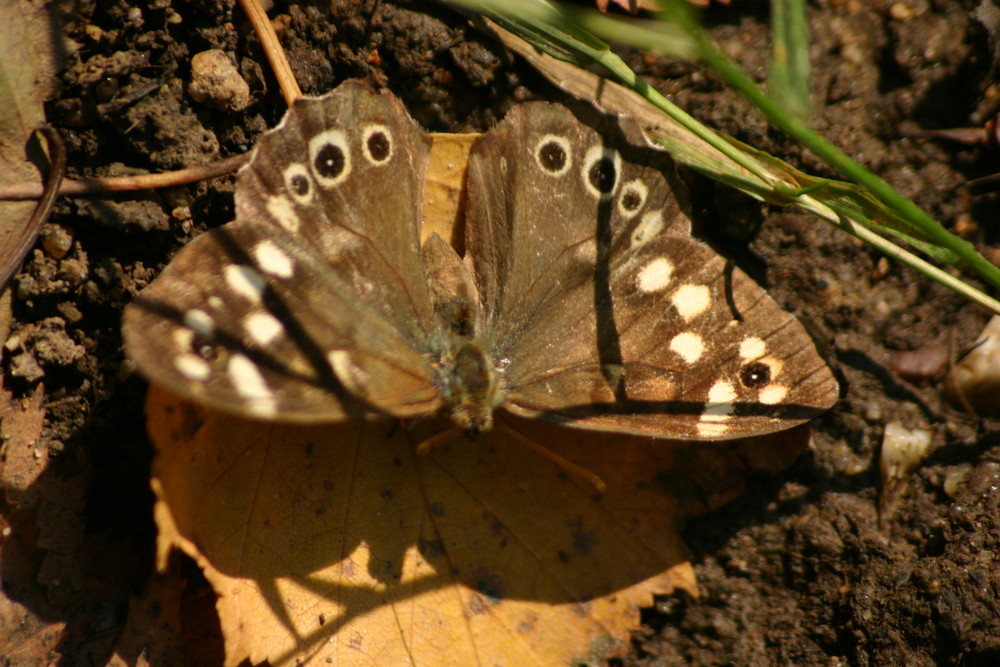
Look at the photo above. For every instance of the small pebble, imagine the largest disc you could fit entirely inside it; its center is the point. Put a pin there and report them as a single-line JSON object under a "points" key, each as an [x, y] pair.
{"points": [[955, 478], [902, 449], [57, 240], [976, 378], [216, 82]]}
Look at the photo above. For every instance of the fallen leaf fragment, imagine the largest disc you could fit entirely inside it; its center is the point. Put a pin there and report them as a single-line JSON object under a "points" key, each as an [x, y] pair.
{"points": [[21, 422], [151, 635], [340, 545], [26, 638], [444, 185]]}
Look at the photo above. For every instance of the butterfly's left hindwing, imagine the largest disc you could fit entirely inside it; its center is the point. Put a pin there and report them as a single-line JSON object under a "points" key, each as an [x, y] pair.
{"points": [[604, 313]]}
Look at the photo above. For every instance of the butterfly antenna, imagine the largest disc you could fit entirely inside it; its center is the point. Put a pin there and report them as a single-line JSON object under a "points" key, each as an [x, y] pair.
{"points": [[581, 473]]}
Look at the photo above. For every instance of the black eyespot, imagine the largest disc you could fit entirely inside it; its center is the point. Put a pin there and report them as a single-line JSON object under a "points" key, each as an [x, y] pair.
{"points": [[602, 175], [299, 185], [552, 156], [755, 375], [329, 161], [631, 200], [378, 146], [204, 348]]}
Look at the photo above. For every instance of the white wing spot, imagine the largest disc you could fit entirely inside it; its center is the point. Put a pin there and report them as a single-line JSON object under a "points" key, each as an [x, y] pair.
{"points": [[722, 392], [273, 260], [249, 383], [688, 345], [200, 322], [713, 429], [283, 212], [775, 364], [649, 226], [718, 410], [586, 252], [752, 348], [245, 281], [183, 338], [193, 367], [656, 275], [691, 300], [772, 394], [346, 370], [263, 327]]}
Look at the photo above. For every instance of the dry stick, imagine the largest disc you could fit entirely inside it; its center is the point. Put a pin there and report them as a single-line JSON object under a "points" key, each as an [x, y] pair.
{"points": [[97, 186], [57, 169], [272, 48]]}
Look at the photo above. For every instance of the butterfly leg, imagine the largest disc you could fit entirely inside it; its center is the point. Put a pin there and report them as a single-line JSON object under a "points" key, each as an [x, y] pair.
{"points": [[581, 473]]}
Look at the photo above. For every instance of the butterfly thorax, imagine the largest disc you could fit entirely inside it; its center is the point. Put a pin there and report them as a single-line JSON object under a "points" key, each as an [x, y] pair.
{"points": [[466, 378], [472, 391]]}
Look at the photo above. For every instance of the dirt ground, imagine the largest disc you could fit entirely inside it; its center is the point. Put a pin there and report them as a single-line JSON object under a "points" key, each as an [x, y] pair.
{"points": [[817, 565]]}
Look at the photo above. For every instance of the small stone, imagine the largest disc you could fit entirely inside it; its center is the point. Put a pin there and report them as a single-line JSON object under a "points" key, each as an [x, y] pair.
{"points": [[955, 478], [57, 240], [975, 380], [25, 366], [216, 82], [902, 449], [900, 11], [70, 312]]}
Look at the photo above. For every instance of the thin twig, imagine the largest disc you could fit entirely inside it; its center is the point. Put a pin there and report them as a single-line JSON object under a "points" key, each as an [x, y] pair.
{"points": [[97, 186]]}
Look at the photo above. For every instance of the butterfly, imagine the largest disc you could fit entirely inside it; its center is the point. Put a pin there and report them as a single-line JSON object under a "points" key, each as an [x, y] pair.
{"points": [[581, 297]]}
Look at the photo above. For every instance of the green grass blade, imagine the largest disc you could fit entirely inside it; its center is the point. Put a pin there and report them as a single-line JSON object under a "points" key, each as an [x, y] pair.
{"points": [[788, 76], [860, 210]]}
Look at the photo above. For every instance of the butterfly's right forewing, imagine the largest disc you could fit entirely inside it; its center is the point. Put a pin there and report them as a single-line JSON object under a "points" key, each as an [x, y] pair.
{"points": [[603, 312]]}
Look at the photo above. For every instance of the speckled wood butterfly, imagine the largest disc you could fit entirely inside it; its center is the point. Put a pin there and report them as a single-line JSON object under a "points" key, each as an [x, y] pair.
{"points": [[581, 297]]}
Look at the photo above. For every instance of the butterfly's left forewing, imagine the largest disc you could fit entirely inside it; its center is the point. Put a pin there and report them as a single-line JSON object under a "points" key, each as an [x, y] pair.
{"points": [[313, 305], [601, 309]]}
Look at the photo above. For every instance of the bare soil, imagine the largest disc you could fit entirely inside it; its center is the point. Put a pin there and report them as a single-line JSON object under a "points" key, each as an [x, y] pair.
{"points": [[816, 565]]}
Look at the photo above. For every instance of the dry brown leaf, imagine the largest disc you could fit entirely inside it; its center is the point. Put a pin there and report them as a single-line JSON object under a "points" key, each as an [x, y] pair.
{"points": [[341, 545], [27, 58], [152, 631], [444, 185], [30, 627], [65, 582], [26, 637], [21, 422]]}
